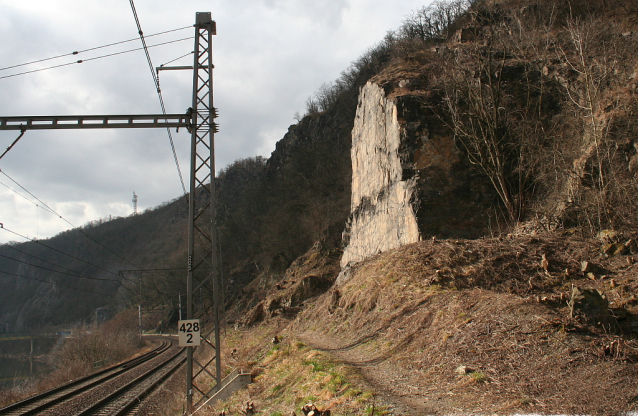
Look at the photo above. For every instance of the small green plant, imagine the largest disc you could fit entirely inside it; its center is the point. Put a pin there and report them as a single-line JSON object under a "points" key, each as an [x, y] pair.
{"points": [[336, 382], [317, 365], [367, 395], [272, 351], [478, 377], [352, 393], [310, 399], [374, 410], [435, 288]]}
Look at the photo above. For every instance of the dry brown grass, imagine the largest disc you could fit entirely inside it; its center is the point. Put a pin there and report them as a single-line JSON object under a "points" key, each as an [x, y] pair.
{"points": [[393, 336], [88, 349], [419, 312], [289, 374]]}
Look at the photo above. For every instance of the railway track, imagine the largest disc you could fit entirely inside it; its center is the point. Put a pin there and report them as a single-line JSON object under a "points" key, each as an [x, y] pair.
{"points": [[117, 390]]}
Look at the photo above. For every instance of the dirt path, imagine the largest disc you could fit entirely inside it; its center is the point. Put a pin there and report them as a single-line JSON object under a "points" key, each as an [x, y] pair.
{"points": [[395, 388], [523, 352]]}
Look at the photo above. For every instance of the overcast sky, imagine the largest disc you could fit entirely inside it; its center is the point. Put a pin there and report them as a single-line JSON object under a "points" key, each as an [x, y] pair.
{"points": [[269, 56]]}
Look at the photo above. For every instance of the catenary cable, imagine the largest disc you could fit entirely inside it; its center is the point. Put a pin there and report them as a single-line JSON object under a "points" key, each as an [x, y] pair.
{"points": [[176, 59], [65, 220], [50, 210], [56, 271], [90, 49], [93, 59], [73, 273], [68, 271], [18, 193], [59, 251], [58, 284], [159, 92]]}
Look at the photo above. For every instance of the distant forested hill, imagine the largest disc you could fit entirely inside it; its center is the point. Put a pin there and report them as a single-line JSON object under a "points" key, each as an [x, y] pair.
{"points": [[538, 99], [67, 277], [270, 211]]}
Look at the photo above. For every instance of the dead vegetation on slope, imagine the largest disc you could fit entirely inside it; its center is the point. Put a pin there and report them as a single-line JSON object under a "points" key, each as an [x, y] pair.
{"points": [[502, 324], [539, 97], [412, 317], [454, 327]]}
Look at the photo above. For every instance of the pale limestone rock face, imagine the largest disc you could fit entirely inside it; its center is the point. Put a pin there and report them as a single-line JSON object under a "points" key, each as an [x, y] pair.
{"points": [[382, 217]]}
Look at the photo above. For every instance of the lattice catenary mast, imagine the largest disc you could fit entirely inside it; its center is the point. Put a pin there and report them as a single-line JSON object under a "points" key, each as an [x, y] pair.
{"points": [[203, 276]]}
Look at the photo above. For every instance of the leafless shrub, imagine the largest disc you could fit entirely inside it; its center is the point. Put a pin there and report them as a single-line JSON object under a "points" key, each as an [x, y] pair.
{"points": [[434, 21], [498, 106], [428, 24], [91, 347], [603, 183], [16, 392], [81, 354]]}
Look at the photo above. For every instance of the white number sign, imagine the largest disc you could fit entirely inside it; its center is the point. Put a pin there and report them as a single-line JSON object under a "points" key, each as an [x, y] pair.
{"points": [[188, 331]]}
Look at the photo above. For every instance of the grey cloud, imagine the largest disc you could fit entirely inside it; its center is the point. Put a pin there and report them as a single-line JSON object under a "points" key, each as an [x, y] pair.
{"points": [[270, 55]]}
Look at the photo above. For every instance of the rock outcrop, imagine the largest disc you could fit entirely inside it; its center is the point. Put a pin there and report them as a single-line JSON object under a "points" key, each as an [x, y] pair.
{"points": [[382, 217], [409, 181]]}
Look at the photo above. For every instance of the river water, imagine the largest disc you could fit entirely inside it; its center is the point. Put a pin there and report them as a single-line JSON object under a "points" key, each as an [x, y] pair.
{"points": [[15, 371]]}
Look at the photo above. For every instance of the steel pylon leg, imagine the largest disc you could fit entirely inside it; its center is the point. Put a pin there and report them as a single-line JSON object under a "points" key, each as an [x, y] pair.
{"points": [[203, 288]]}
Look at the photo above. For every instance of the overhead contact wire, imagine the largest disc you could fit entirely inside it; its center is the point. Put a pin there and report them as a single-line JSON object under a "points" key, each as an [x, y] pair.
{"points": [[56, 271], [68, 271], [59, 251], [93, 59], [159, 92], [52, 211], [90, 49], [18, 193], [56, 283]]}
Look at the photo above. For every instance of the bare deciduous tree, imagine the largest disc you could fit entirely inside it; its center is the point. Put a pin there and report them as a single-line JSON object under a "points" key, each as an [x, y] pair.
{"points": [[475, 102]]}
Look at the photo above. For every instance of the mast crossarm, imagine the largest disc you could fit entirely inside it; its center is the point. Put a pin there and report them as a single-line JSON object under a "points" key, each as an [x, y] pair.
{"points": [[138, 121]]}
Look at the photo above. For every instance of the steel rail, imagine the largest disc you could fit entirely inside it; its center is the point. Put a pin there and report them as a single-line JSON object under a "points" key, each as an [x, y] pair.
{"points": [[109, 405], [136, 401], [38, 403]]}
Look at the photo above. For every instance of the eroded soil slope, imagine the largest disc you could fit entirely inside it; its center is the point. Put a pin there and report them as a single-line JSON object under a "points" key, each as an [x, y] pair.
{"points": [[410, 318]]}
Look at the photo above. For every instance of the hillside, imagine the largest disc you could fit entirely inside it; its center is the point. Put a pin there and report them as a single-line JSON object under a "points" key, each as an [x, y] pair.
{"points": [[451, 228], [515, 128], [269, 213], [455, 327], [518, 121], [66, 278]]}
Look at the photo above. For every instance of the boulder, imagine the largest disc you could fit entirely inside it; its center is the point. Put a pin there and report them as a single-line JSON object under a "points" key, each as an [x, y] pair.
{"points": [[257, 314], [589, 304], [463, 370]]}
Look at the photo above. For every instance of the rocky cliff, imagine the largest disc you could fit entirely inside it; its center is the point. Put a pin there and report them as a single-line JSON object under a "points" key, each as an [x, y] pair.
{"points": [[409, 181], [382, 216], [512, 129]]}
